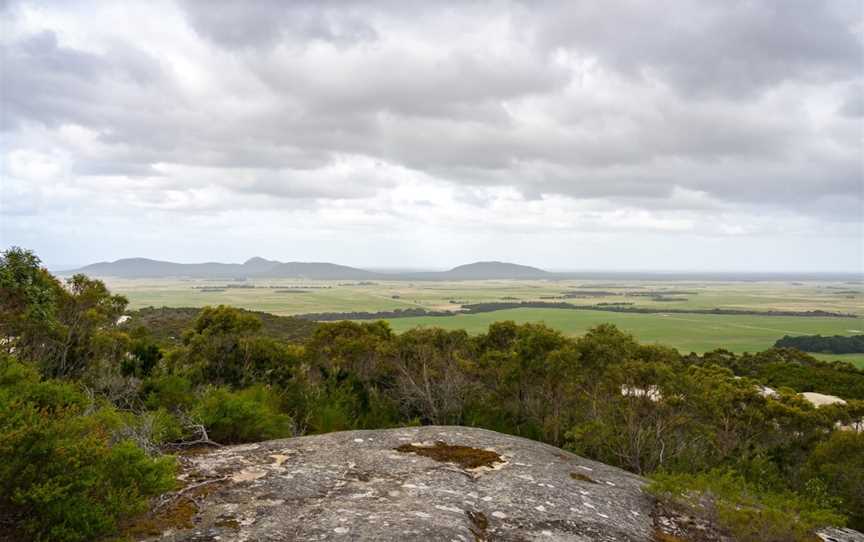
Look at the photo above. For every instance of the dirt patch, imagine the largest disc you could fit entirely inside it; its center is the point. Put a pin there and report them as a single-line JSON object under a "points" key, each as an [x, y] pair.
{"points": [[464, 456]]}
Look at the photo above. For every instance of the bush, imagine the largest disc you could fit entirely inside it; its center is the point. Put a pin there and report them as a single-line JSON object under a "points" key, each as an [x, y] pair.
{"points": [[748, 512], [839, 463], [247, 415], [170, 392], [62, 477]]}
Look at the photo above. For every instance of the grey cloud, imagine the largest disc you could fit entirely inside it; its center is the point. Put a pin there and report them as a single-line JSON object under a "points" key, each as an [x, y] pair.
{"points": [[853, 105], [52, 84], [694, 104], [732, 48], [264, 23]]}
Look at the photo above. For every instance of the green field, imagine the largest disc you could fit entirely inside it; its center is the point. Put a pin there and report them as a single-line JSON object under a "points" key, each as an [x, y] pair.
{"points": [[687, 332]]}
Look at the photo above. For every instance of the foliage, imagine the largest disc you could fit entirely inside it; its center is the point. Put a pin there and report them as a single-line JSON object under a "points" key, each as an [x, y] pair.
{"points": [[166, 325], [791, 368], [63, 476], [745, 510], [839, 463], [224, 347], [171, 392], [65, 328], [247, 415]]}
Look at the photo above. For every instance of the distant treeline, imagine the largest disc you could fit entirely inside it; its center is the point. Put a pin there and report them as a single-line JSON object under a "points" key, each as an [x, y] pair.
{"points": [[489, 307], [577, 294], [476, 308], [838, 344], [380, 315]]}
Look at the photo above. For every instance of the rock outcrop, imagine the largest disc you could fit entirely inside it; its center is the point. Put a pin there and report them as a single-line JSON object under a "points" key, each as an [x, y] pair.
{"points": [[417, 483]]}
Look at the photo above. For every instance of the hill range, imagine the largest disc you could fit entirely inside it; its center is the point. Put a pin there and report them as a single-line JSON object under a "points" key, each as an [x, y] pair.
{"points": [[263, 268]]}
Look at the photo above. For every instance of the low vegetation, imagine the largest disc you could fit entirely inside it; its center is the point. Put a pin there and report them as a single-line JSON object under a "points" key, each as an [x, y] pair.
{"points": [[89, 407], [747, 511]]}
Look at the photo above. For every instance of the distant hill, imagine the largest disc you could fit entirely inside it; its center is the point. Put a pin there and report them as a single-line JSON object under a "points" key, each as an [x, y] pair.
{"points": [[494, 270], [320, 270], [252, 268], [263, 268], [145, 268]]}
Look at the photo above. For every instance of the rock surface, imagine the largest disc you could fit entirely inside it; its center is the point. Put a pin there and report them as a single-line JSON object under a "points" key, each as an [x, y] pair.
{"points": [[356, 485]]}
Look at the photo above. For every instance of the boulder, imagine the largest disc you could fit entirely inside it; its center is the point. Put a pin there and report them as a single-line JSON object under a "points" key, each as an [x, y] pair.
{"points": [[416, 483]]}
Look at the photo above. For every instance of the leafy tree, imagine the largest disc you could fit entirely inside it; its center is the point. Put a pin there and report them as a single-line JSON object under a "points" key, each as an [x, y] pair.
{"points": [[224, 346]]}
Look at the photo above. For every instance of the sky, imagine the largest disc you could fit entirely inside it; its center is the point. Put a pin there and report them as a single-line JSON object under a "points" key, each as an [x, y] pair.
{"points": [[621, 135]]}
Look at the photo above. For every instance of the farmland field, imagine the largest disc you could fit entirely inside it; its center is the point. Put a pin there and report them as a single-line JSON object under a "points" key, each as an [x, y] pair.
{"points": [[687, 332]]}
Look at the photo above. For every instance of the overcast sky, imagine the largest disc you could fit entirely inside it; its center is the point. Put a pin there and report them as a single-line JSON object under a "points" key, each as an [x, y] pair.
{"points": [[692, 135]]}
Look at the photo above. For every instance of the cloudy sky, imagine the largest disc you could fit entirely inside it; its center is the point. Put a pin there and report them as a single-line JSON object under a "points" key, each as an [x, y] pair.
{"points": [[569, 135]]}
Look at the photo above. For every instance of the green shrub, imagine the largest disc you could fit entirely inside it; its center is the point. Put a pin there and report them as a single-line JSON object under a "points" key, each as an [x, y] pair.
{"points": [[839, 463], [748, 512], [62, 478], [171, 392], [246, 415]]}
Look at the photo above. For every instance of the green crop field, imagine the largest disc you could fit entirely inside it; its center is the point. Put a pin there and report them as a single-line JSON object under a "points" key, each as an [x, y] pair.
{"points": [[687, 332]]}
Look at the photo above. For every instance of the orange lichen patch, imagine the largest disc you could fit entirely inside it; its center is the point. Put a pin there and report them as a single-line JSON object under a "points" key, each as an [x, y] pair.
{"points": [[582, 477], [464, 456]]}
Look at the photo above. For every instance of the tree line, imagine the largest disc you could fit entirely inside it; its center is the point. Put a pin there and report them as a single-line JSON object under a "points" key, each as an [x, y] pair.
{"points": [[837, 344], [492, 306]]}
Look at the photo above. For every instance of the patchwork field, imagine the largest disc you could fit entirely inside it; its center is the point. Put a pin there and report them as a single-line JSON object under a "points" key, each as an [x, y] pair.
{"points": [[687, 332]]}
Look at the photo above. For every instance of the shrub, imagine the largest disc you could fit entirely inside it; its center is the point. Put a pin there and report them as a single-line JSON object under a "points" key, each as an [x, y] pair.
{"points": [[62, 477], [839, 463], [748, 512], [170, 392], [246, 415]]}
